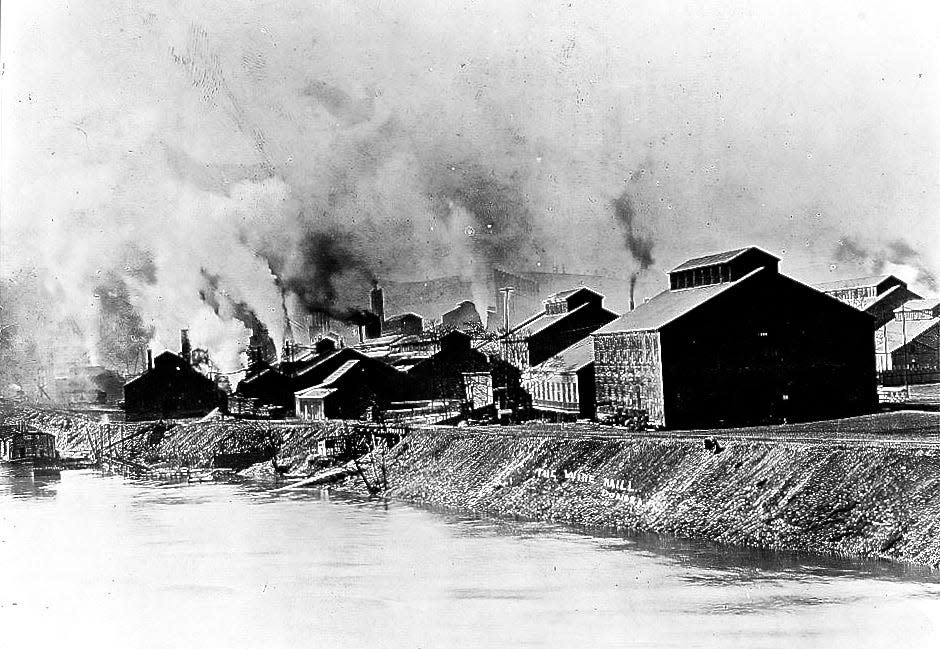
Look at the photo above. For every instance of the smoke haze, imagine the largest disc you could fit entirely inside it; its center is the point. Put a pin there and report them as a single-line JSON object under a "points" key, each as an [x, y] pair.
{"points": [[297, 152]]}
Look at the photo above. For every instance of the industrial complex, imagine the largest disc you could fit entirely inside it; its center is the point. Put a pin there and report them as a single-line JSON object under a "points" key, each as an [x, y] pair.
{"points": [[732, 341]]}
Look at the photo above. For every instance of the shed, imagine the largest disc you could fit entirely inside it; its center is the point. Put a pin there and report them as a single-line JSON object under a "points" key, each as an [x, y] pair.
{"points": [[24, 442]]}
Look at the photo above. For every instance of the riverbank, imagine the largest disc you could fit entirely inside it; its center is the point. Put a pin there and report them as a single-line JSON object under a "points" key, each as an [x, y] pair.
{"points": [[178, 443], [867, 486], [869, 499]]}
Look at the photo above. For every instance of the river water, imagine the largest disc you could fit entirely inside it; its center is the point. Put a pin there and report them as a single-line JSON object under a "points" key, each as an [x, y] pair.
{"points": [[101, 561]]}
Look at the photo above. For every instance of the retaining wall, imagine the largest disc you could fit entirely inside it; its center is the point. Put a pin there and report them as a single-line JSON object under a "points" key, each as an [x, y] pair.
{"points": [[866, 499]]}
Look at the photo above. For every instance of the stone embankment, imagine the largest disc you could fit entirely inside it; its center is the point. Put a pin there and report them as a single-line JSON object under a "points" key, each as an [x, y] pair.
{"points": [[163, 444], [866, 487], [869, 498]]}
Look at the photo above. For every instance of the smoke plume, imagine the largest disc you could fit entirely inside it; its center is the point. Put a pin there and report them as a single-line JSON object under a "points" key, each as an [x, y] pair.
{"points": [[640, 246], [294, 155], [895, 257]]}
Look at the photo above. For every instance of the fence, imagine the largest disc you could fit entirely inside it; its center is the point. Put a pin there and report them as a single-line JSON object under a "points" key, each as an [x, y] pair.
{"points": [[894, 378]]}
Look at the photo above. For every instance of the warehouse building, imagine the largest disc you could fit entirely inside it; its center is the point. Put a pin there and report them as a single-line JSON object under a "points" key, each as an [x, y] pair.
{"points": [[562, 387], [171, 389], [877, 296], [734, 342], [351, 391], [565, 319], [441, 375], [911, 343]]}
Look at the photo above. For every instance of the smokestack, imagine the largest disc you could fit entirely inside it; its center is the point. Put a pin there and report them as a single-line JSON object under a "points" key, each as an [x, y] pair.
{"points": [[491, 319], [633, 278], [149, 359], [377, 300], [362, 336], [185, 348]]}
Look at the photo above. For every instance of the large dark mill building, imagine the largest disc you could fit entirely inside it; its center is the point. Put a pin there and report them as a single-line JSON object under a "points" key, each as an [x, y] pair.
{"points": [[734, 342]]}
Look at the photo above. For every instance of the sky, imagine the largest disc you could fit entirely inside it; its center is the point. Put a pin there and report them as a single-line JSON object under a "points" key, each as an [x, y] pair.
{"points": [[264, 148]]}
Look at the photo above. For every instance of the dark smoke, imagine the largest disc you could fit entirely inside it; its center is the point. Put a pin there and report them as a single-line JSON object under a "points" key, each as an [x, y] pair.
{"points": [[330, 271], [640, 247], [223, 305], [876, 258], [122, 336], [501, 220]]}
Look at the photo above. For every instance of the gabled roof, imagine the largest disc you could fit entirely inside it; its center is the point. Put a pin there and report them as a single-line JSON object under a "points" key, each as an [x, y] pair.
{"points": [[542, 320], [900, 333], [342, 369], [324, 387], [570, 359], [319, 361], [855, 282], [316, 392], [162, 362], [563, 295], [717, 258], [263, 374], [868, 303], [928, 304], [401, 316], [380, 341], [668, 306]]}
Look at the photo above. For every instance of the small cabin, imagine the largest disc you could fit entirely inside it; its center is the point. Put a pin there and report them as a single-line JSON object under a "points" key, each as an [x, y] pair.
{"points": [[22, 442]]}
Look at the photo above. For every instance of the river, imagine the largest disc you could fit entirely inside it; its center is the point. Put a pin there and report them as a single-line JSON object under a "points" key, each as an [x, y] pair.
{"points": [[101, 561]]}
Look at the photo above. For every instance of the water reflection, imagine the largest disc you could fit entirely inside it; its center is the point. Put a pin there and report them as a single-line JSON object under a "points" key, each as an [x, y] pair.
{"points": [[128, 563], [17, 480]]}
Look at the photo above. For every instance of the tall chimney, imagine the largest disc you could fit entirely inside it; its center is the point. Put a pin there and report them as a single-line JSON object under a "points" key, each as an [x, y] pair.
{"points": [[377, 300], [632, 291], [492, 323], [185, 348], [149, 359]]}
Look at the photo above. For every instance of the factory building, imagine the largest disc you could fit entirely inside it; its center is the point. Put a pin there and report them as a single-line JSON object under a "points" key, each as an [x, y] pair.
{"points": [[877, 296], [404, 324], [441, 375], [909, 343], [264, 390], [734, 342], [171, 389], [565, 318], [354, 388], [562, 387], [461, 316]]}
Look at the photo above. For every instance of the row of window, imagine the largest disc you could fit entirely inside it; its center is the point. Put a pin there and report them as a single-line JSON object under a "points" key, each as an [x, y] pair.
{"points": [[558, 392], [700, 277]]}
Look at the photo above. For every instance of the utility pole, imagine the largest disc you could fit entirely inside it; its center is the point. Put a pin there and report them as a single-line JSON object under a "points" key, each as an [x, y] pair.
{"points": [[904, 347], [506, 291]]}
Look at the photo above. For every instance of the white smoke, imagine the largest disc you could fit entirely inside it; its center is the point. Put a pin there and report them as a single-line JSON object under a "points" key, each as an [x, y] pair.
{"points": [[163, 142]]}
